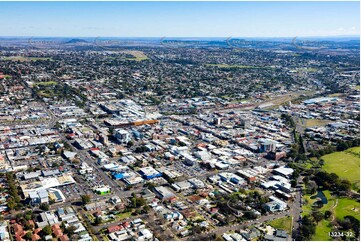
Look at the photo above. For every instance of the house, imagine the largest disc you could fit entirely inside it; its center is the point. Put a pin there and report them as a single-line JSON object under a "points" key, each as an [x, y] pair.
{"points": [[64, 238], [57, 230], [35, 237], [113, 229]]}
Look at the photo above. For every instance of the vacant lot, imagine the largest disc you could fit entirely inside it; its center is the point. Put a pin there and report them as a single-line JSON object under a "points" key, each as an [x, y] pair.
{"points": [[345, 164], [315, 122], [284, 223]]}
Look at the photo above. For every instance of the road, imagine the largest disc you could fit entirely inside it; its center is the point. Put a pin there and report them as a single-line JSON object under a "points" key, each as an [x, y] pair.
{"points": [[296, 210]]}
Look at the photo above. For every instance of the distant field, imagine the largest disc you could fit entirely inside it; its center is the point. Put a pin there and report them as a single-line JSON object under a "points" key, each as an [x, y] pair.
{"points": [[24, 58], [315, 122], [284, 223], [49, 83], [240, 66], [345, 164], [138, 55]]}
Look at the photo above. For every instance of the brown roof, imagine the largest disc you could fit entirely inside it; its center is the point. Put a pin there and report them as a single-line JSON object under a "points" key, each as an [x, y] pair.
{"points": [[194, 198], [64, 238], [114, 228], [18, 228], [35, 237]]}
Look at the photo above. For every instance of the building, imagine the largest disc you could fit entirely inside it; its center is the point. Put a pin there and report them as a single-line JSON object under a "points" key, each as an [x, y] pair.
{"points": [[164, 193], [283, 171], [38, 197], [149, 173], [275, 205], [122, 135]]}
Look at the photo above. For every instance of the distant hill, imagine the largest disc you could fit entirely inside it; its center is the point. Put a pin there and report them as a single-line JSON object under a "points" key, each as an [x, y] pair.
{"points": [[75, 41]]}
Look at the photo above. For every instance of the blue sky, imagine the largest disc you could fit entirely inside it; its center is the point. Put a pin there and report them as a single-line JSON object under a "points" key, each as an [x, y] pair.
{"points": [[179, 19]]}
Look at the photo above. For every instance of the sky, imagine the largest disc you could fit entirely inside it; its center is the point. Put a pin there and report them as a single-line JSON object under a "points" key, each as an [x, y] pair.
{"points": [[179, 19]]}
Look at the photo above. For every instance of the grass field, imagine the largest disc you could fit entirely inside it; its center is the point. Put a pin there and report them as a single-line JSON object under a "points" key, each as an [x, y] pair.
{"points": [[284, 223], [322, 229], [49, 83], [315, 122], [25, 58], [345, 164], [347, 207], [124, 215], [138, 55]]}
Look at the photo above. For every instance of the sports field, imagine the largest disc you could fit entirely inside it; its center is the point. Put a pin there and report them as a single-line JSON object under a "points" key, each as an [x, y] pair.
{"points": [[345, 164]]}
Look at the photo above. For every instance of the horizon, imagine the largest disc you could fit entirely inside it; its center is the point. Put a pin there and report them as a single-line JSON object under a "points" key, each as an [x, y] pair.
{"points": [[188, 37]]}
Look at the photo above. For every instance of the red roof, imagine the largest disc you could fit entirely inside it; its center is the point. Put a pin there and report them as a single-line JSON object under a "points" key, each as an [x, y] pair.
{"points": [[114, 229]]}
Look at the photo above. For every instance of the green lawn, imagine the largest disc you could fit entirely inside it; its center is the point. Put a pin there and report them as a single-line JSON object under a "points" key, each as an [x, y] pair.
{"points": [[322, 229], [124, 215], [347, 207], [345, 164], [284, 223]]}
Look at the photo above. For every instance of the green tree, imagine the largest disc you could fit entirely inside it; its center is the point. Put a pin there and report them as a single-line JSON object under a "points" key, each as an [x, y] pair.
{"points": [[47, 230], [11, 204], [28, 235], [70, 230], [98, 220], [328, 214], [44, 206], [85, 199]]}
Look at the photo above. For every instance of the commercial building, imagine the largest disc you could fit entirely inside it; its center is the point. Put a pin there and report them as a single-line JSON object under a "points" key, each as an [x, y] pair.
{"points": [[149, 173]]}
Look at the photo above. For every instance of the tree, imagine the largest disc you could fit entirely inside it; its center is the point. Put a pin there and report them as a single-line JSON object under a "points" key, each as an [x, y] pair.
{"points": [[47, 230], [98, 220], [317, 216], [44, 206], [11, 204], [70, 230], [28, 235], [28, 225], [85, 199], [328, 214]]}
